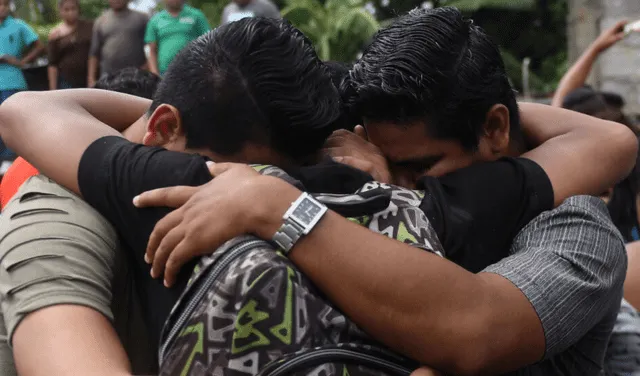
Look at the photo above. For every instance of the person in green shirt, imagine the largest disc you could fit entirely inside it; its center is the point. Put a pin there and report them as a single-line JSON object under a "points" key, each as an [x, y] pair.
{"points": [[170, 30]]}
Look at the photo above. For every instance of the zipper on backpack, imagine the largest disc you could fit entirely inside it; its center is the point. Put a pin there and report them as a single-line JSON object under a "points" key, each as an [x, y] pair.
{"points": [[218, 267], [332, 355]]}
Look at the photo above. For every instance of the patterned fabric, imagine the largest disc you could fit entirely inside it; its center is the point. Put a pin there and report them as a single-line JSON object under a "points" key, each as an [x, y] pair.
{"points": [[570, 263], [261, 308], [623, 353]]}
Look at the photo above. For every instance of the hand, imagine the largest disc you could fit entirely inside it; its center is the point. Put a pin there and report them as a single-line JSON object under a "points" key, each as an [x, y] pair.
{"points": [[355, 150], [9, 59], [425, 371], [237, 201], [610, 37]]}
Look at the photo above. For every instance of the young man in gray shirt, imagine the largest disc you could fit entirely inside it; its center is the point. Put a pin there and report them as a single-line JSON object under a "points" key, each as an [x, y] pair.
{"points": [[118, 40], [239, 9]]}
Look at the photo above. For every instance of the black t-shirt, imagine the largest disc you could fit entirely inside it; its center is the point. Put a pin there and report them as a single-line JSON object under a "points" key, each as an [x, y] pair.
{"points": [[476, 211]]}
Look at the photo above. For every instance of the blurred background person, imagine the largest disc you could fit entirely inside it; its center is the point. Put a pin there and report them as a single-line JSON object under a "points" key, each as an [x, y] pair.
{"points": [[68, 48], [170, 30], [118, 40], [239, 9], [19, 45]]}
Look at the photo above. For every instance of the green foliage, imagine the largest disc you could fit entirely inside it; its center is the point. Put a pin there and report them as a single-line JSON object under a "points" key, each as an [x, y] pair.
{"points": [[338, 28], [211, 8]]}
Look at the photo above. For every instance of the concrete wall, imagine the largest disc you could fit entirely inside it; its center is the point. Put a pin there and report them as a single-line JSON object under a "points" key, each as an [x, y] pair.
{"points": [[618, 69]]}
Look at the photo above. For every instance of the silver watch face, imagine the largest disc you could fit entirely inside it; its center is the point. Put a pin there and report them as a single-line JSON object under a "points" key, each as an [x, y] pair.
{"points": [[306, 211]]}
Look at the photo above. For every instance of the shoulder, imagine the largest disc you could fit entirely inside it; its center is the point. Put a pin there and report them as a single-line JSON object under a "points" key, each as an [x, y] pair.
{"points": [[141, 16], [194, 12], [22, 25], [157, 16], [55, 32], [102, 18]]}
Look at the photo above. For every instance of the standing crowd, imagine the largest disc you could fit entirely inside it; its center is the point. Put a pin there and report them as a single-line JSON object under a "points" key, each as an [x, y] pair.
{"points": [[232, 205]]}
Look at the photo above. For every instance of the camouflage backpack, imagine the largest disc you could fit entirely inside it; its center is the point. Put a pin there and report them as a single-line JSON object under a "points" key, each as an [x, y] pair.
{"points": [[249, 311]]}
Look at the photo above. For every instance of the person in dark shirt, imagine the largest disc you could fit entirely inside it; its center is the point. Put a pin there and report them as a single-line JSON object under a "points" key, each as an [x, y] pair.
{"points": [[68, 48], [186, 116]]}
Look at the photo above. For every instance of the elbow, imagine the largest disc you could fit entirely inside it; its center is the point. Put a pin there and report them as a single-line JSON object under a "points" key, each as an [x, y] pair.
{"points": [[466, 353], [624, 142], [10, 112]]}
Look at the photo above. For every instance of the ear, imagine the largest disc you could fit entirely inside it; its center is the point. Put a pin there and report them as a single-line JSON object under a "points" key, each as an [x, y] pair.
{"points": [[163, 127], [496, 129]]}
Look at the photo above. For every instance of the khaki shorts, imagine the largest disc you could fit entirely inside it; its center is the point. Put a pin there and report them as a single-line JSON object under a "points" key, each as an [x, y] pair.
{"points": [[56, 249]]}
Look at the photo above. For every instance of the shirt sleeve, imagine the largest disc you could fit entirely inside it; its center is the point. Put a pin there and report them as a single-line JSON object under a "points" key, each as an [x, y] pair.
{"points": [[202, 24], [96, 39], [151, 35], [29, 36], [113, 171], [576, 250], [478, 210]]}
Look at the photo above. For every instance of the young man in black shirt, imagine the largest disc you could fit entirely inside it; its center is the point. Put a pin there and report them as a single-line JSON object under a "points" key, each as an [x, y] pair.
{"points": [[109, 171]]}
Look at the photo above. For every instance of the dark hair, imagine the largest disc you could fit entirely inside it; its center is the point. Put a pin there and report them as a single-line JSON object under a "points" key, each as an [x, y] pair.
{"points": [[432, 65], [339, 72], [256, 79], [132, 81], [61, 3]]}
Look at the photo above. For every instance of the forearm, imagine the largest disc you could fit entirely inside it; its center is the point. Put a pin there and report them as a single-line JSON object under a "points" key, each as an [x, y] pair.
{"points": [[153, 59], [52, 72], [425, 306], [580, 154], [92, 70], [576, 76], [34, 52], [54, 138]]}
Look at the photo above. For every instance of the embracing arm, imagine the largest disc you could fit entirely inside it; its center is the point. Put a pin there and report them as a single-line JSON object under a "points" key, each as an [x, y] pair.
{"points": [[426, 307], [66, 122], [580, 154]]}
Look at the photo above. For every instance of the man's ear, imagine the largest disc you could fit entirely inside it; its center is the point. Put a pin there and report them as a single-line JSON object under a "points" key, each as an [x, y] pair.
{"points": [[163, 127], [496, 129]]}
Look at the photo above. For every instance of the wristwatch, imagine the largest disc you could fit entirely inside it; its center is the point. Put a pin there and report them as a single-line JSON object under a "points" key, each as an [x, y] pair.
{"points": [[299, 220]]}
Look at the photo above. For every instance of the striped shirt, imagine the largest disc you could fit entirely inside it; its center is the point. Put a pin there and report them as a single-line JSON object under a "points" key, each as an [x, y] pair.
{"points": [[570, 263]]}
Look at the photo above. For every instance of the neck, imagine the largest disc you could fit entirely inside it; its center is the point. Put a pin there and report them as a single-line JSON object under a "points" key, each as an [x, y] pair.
{"points": [[175, 11], [71, 23]]}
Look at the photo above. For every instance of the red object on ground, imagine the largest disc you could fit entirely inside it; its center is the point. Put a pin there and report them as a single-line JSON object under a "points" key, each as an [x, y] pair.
{"points": [[15, 176]]}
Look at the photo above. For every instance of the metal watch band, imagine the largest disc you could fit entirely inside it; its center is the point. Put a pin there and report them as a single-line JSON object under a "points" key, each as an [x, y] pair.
{"points": [[287, 235], [293, 229]]}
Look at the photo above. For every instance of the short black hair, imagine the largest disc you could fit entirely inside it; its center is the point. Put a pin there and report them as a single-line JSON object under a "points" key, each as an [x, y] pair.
{"points": [[256, 79], [133, 81], [339, 72], [435, 66]]}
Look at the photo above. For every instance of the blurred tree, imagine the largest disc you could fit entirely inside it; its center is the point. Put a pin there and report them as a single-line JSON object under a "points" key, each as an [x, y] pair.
{"points": [[338, 28]]}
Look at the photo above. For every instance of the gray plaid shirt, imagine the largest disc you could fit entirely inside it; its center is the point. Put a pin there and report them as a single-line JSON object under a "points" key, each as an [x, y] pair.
{"points": [[570, 263]]}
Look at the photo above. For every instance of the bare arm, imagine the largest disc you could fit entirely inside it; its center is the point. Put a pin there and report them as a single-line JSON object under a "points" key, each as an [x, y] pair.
{"points": [[632, 282], [52, 73], [35, 50], [94, 54], [92, 71], [580, 154], [578, 73], [153, 58], [53, 138]]}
